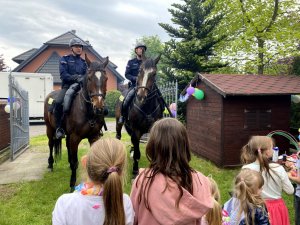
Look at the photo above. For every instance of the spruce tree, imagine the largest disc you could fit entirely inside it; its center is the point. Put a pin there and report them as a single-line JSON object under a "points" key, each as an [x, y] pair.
{"points": [[191, 48], [2, 64]]}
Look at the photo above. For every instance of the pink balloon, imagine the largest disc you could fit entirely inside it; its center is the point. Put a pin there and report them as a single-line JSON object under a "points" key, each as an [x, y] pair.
{"points": [[172, 106]]}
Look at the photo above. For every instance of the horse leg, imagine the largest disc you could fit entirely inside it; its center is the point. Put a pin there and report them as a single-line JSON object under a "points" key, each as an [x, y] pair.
{"points": [[50, 135], [73, 158], [50, 159], [135, 140], [118, 129]]}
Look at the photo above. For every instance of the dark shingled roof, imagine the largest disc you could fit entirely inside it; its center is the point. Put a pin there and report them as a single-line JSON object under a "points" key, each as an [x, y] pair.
{"points": [[25, 55], [233, 84], [63, 40], [51, 66]]}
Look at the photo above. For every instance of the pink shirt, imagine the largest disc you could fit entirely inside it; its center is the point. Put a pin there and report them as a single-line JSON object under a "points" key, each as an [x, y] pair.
{"points": [[162, 202]]}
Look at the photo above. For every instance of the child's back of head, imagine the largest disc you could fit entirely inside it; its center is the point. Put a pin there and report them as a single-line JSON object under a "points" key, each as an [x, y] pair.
{"points": [[247, 189], [106, 164], [214, 216]]}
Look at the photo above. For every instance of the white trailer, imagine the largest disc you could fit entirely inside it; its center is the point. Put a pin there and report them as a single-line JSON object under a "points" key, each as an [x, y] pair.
{"points": [[38, 85]]}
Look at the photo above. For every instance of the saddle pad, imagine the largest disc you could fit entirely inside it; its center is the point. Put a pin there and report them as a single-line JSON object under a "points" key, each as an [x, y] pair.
{"points": [[51, 102]]}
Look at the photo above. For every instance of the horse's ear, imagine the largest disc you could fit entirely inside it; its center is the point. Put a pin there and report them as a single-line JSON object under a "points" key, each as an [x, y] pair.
{"points": [[106, 61], [88, 61], [157, 59]]}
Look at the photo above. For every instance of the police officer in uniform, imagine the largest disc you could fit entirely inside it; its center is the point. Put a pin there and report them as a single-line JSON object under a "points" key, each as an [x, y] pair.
{"points": [[72, 70], [131, 73]]}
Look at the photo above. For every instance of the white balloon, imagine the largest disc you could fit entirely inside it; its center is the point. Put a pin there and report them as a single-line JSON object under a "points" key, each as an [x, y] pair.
{"points": [[16, 105], [295, 98], [7, 108]]}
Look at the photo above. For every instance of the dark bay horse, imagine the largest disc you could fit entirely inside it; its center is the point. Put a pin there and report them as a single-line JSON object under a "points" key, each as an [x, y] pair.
{"points": [[85, 119], [146, 107]]}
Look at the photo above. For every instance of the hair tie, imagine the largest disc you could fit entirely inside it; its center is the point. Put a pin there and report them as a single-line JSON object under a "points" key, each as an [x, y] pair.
{"points": [[112, 169], [259, 150]]}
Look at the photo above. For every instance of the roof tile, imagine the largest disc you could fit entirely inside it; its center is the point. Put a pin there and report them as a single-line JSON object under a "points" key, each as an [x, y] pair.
{"points": [[236, 84]]}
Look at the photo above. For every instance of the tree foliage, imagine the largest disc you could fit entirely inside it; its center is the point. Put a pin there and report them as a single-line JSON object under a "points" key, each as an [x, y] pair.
{"points": [[110, 101], [2, 64], [259, 32], [155, 48], [191, 48]]}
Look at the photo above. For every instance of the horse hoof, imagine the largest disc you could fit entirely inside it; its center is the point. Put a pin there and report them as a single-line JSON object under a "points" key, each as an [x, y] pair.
{"points": [[50, 168], [118, 137]]}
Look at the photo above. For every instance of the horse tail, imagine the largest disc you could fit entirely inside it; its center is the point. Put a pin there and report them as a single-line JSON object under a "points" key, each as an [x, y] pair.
{"points": [[57, 149]]}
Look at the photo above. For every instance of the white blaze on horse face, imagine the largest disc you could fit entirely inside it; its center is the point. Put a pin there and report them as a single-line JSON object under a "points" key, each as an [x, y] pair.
{"points": [[98, 74], [146, 76]]}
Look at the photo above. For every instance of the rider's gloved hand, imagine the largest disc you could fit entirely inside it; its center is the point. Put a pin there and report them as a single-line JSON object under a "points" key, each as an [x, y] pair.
{"points": [[80, 79], [75, 77]]}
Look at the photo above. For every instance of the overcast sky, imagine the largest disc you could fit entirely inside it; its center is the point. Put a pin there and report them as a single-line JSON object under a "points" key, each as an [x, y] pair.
{"points": [[111, 26]]}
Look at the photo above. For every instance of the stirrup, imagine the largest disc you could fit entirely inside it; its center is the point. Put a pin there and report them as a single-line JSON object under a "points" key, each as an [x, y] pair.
{"points": [[59, 133]]}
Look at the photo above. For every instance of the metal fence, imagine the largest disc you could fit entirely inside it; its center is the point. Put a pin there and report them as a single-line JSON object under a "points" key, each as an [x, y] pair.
{"points": [[169, 91], [19, 118]]}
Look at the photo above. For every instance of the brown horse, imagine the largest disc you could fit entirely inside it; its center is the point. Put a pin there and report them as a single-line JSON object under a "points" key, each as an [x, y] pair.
{"points": [[85, 119], [146, 107]]}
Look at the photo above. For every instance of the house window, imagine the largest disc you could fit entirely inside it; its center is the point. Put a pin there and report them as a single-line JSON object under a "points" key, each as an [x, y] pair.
{"points": [[257, 119]]}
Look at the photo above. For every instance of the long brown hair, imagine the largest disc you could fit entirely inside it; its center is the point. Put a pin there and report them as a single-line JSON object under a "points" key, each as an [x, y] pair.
{"points": [[255, 149], [168, 151], [106, 163]]}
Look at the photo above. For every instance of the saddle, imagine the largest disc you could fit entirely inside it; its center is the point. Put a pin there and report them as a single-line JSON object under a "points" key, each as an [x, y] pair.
{"points": [[68, 99]]}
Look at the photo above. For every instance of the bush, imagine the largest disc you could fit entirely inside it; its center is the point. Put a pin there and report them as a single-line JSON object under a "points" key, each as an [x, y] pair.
{"points": [[111, 100]]}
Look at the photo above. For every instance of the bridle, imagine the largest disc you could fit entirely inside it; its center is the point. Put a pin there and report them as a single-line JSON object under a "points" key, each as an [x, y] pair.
{"points": [[91, 95]]}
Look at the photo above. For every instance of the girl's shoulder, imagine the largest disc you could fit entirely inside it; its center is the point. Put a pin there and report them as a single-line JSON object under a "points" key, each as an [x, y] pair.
{"points": [[253, 166]]}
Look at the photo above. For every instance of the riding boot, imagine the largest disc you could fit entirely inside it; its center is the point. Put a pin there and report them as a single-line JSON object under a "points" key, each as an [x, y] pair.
{"points": [[124, 108], [59, 133]]}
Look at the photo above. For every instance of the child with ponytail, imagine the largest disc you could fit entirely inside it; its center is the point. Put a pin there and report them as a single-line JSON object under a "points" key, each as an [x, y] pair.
{"points": [[256, 155], [247, 207], [101, 199]]}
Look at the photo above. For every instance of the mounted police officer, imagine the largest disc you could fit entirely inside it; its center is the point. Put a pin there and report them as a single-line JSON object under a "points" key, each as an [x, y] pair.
{"points": [[131, 73], [72, 70]]}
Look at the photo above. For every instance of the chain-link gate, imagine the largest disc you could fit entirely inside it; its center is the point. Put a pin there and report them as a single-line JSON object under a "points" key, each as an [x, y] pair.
{"points": [[169, 91], [19, 118]]}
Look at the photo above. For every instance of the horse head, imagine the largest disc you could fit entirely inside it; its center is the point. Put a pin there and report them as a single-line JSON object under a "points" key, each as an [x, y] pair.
{"points": [[146, 78], [96, 83]]}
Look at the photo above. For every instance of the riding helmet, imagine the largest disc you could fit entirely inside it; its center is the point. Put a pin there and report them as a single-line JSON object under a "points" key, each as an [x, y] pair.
{"points": [[75, 41], [140, 44]]}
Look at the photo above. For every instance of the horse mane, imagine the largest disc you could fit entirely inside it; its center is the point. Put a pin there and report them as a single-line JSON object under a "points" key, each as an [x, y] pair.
{"points": [[149, 63], [95, 66]]}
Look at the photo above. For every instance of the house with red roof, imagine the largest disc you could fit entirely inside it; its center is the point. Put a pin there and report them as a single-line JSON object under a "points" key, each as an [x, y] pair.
{"points": [[234, 108], [46, 59]]}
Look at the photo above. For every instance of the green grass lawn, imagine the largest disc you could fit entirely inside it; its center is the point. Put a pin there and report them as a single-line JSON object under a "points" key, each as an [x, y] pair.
{"points": [[33, 202]]}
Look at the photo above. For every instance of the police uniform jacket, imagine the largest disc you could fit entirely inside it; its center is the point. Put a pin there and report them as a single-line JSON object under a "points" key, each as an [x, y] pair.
{"points": [[69, 67], [132, 70]]}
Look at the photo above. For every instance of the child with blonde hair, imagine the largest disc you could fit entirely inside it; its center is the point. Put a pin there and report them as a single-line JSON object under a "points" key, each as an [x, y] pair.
{"points": [[170, 191], [256, 156], [247, 207], [214, 215], [101, 199]]}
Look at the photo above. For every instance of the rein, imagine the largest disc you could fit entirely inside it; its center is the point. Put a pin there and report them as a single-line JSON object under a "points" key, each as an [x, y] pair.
{"points": [[151, 94]]}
